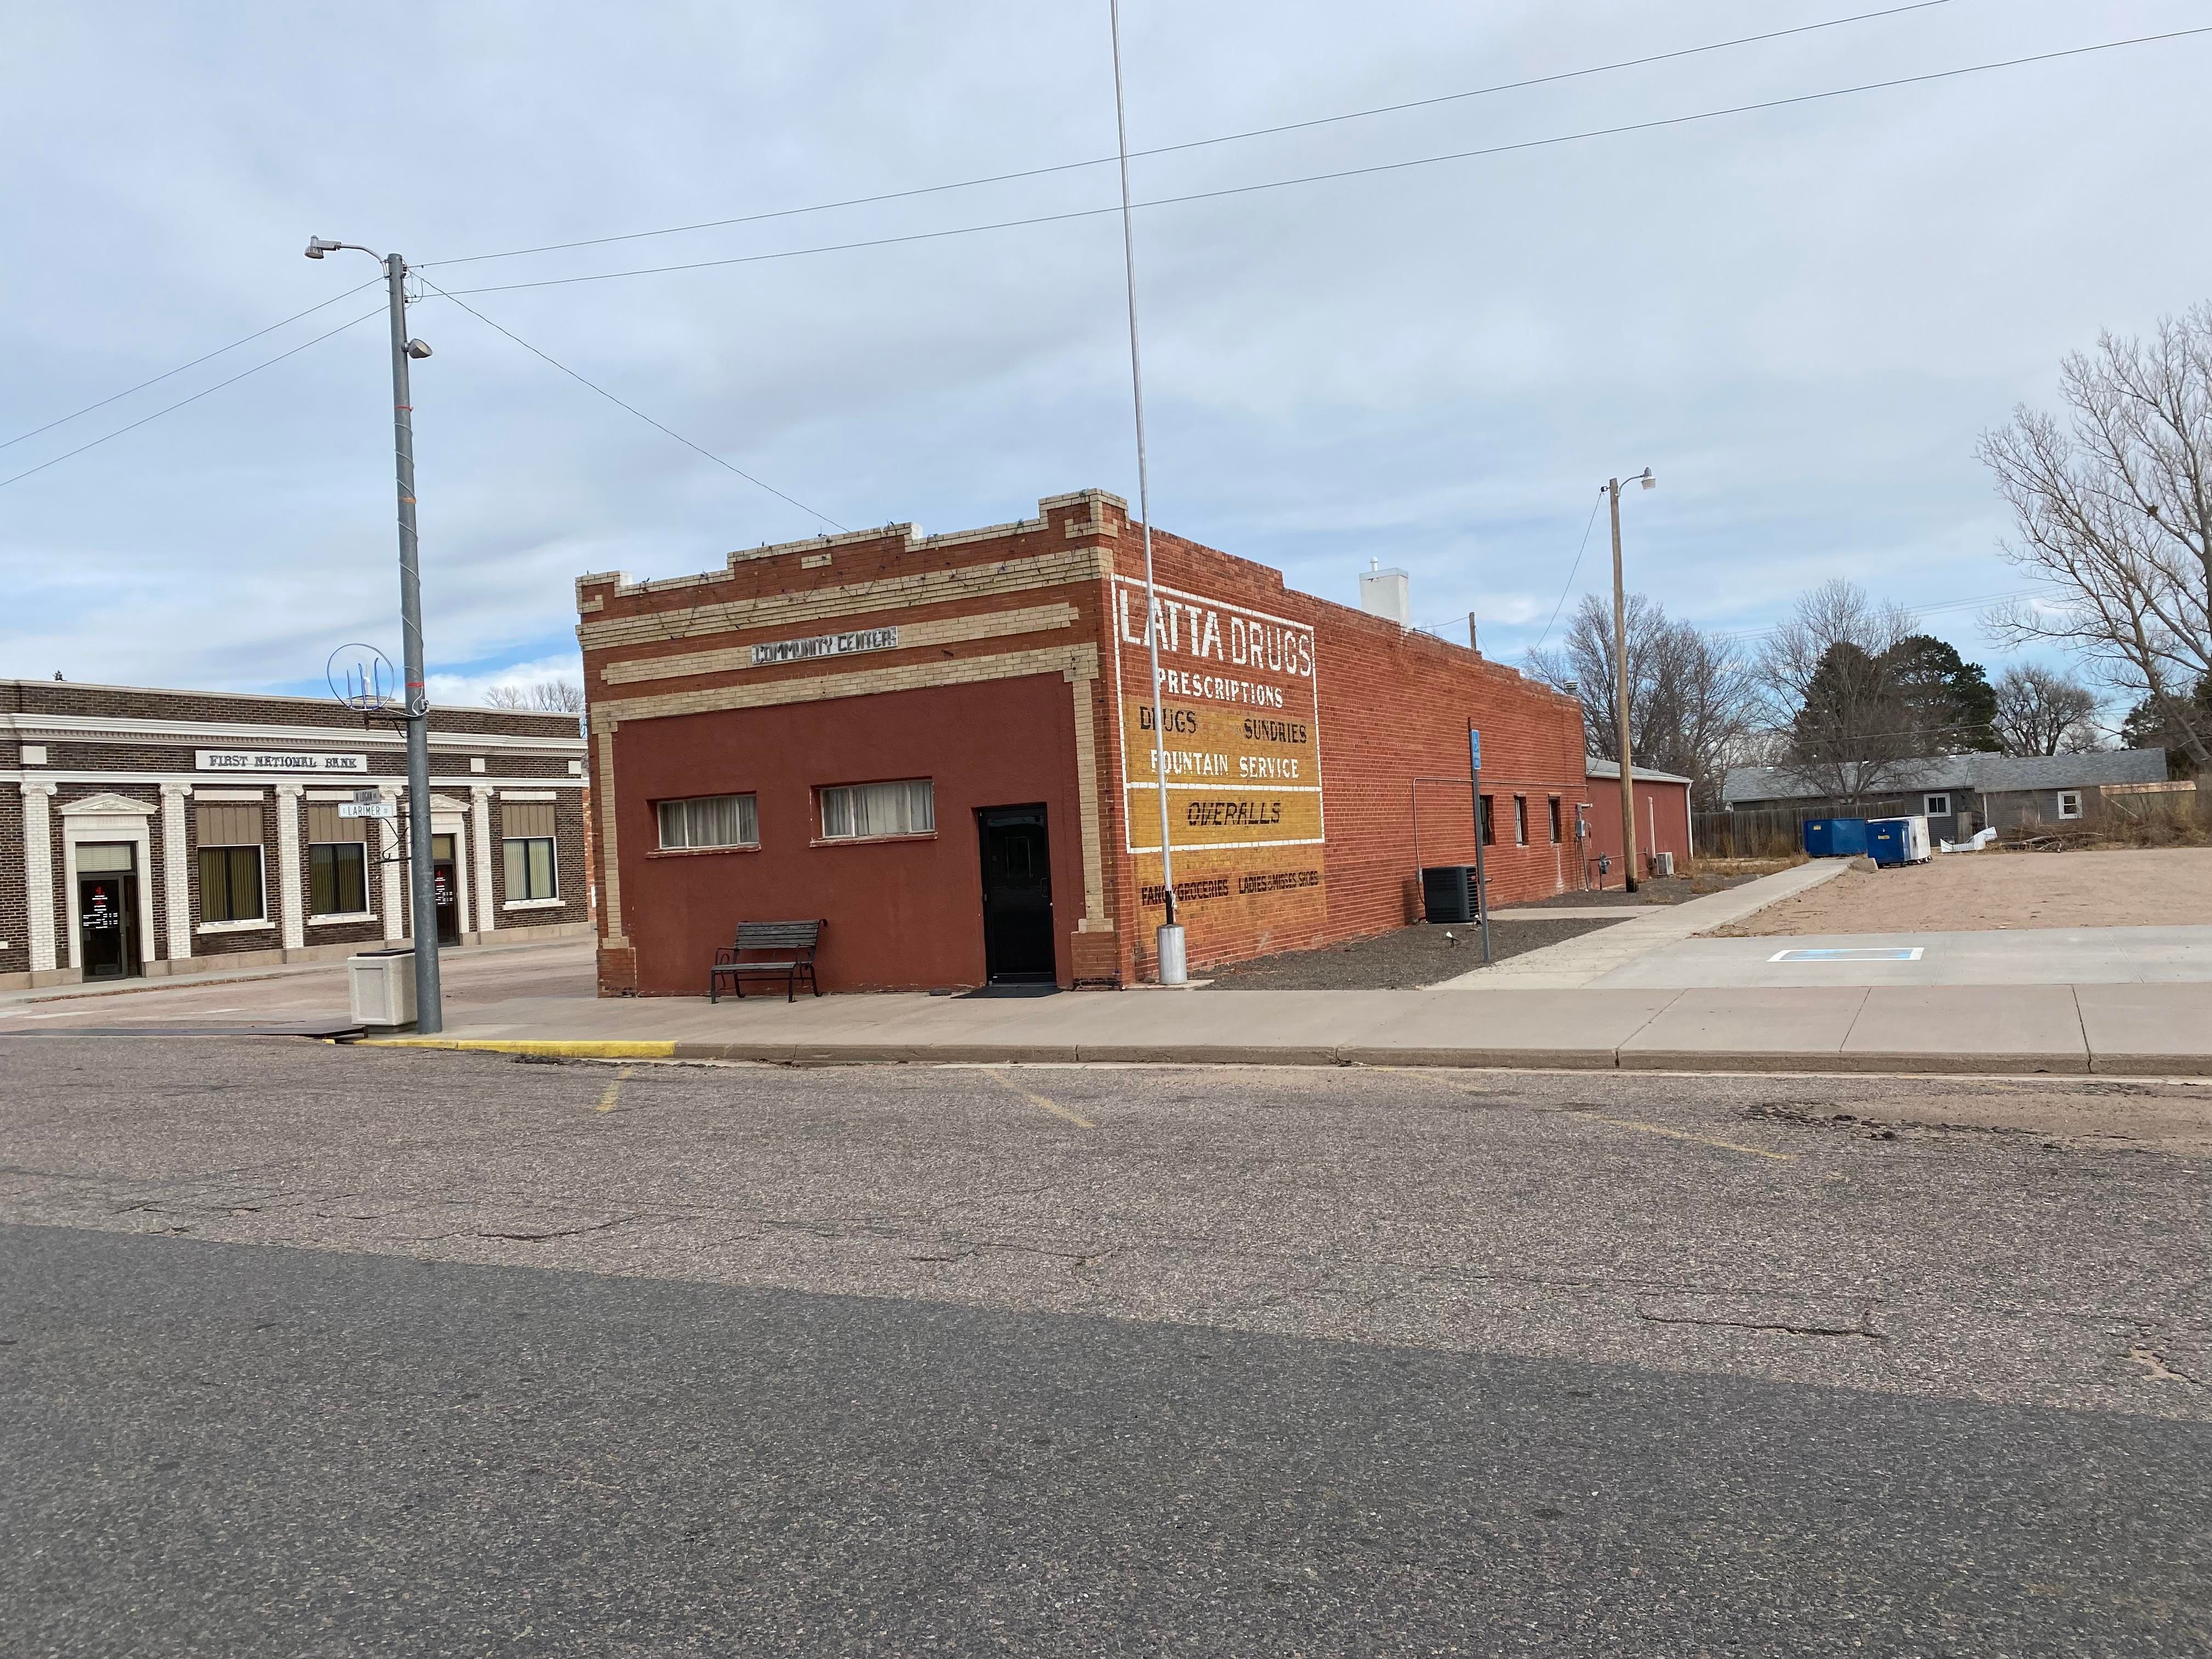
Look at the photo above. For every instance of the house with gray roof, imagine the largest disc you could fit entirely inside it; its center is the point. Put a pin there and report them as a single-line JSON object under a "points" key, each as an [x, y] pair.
{"points": [[1959, 793]]}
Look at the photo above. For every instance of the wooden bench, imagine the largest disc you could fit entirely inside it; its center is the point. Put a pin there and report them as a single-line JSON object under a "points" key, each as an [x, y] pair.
{"points": [[794, 943]]}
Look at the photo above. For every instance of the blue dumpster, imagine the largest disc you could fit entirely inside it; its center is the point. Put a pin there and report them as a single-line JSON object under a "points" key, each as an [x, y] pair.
{"points": [[1835, 838], [1898, 841]]}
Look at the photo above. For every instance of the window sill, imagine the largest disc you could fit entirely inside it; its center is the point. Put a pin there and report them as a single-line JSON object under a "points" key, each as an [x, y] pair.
{"points": [[698, 852], [869, 841], [533, 904], [342, 918], [264, 925]]}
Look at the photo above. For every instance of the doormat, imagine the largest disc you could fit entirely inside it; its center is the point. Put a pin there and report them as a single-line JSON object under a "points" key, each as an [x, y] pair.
{"points": [[1046, 989]]}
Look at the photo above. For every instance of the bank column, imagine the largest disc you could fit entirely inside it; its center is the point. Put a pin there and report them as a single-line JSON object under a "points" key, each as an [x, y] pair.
{"points": [[391, 848], [38, 875], [480, 833], [294, 922], [176, 876]]}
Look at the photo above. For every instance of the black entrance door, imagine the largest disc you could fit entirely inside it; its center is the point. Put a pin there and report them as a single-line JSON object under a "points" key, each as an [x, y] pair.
{"points": [[1017, 894], [107, 936], [445, 880]]}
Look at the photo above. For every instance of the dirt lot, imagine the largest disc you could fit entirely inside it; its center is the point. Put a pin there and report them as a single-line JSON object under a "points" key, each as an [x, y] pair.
{"points": [[1400, 960], [1972, 892]]}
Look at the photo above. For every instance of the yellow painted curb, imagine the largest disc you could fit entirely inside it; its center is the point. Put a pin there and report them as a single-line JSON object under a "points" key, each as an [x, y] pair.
{"points": [[608, 1049]]}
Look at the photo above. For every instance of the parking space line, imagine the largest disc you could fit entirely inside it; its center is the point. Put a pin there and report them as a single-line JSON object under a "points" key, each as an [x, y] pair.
{"points": [[614, 1089], [1683, 1135], [1039, 1101]]}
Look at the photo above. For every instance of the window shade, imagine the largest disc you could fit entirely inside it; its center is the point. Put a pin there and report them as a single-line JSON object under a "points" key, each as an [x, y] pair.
{"points": [[525, 817], [228, 826], [325, 825]]}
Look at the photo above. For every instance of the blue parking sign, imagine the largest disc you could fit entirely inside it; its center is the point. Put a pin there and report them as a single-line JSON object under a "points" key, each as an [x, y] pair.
{"points": [[1474, 748]]}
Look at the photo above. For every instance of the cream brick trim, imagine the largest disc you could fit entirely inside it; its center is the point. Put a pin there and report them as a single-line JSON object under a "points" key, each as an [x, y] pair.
{"points": [[946, 630], [1081, 659], [480, 834], [39, 874], [176, 889], [289, 885], [1086, 797], [610, 862], [1076, 564]]}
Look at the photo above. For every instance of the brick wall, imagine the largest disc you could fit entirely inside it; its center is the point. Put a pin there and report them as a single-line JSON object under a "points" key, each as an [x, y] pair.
{"points": [[1014, 610]]}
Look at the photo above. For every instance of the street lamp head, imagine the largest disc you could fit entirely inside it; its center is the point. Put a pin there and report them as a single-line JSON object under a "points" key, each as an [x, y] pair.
{"points": [[418, 349], [1647, 480], [318, 246]]}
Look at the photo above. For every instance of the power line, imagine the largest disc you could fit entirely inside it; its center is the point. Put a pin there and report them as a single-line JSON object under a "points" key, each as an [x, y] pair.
{"points": [[1197, 144], [632, 408], [181, 368], [1568, 587], [195, 398], [1354, 173]]}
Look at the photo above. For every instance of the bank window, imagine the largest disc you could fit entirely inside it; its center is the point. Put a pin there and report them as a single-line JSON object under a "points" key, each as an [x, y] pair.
{"points": [[337, 864], [709, 821], [1554, 804], [526, 840], [2070, 803], [230, 864], [1489, 824], [858, 811], [1520, 820]]}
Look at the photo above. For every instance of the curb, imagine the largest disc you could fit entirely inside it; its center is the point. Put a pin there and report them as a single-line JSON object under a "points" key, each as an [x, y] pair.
{"points": [[1348, 1055]]}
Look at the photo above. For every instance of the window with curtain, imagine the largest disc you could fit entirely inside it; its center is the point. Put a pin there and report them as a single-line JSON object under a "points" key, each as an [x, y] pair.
{"points": [[707, 821], [856, 811], [1520, 820], [338, 863], [1555, 820], [230, 863], [527, 832], [1489, 824]]}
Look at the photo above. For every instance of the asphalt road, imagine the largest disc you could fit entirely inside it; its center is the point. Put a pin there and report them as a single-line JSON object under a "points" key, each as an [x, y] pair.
{"points": [[312, 1351]]}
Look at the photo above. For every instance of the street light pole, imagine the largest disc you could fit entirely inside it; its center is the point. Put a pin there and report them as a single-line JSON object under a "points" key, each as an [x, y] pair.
{"points": [[1620, 685], [422, 874]]}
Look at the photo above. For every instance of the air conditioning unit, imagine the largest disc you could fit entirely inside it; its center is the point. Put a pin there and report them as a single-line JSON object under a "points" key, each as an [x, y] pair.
{"points": [[1663, 864]]}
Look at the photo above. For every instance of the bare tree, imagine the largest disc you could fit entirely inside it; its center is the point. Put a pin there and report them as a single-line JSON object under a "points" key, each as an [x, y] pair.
{"points": [[2114, 513], [542, 697], [1690, 693], [2042, 712], [1830, 688]]}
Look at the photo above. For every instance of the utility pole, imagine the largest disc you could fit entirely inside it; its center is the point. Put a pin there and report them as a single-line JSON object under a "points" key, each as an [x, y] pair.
{"points": [[1620, 685], [422, 874], [1169, 949]]}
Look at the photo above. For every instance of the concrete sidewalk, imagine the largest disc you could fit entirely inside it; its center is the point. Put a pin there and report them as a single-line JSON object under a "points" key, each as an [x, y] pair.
{"points": [[2141, 1029], [1583, 961]]}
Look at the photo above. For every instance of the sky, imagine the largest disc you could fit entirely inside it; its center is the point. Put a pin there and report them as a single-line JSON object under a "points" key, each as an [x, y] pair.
{"points": [[1800, 318]]}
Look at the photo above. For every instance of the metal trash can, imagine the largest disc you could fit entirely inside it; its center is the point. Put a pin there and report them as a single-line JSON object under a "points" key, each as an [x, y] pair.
{"points": [[1448, 892], [380, 987]]}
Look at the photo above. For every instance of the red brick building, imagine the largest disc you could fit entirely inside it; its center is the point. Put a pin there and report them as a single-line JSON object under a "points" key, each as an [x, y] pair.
{"points": [[942, 745]]}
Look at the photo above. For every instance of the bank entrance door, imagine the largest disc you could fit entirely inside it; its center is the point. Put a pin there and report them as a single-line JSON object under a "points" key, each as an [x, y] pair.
{"points": [[446, 881], [1017, 894], [106, 911]]}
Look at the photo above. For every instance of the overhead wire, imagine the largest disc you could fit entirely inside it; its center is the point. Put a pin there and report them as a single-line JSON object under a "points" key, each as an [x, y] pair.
{"points": [[1655, 124], [1198, 143], [1568, 585], [172, 373], [195, 398], [632, 408]]}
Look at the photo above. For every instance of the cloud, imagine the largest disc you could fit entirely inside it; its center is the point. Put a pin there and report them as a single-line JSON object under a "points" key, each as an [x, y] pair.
{"points": [[1800, 318]]}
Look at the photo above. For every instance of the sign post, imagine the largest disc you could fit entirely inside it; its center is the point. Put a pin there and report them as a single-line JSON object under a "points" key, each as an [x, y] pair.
{"points": [[1481, 876]]}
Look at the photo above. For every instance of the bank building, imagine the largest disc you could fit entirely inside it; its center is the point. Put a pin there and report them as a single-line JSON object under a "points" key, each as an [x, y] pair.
{"points": [[148, 832]]}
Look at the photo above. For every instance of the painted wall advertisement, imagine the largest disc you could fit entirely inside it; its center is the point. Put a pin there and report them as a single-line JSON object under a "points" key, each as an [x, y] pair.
{"points": [[1240, 740]]}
